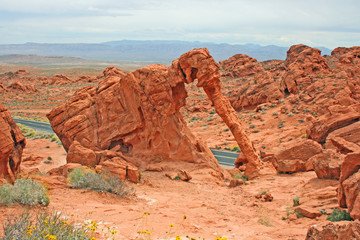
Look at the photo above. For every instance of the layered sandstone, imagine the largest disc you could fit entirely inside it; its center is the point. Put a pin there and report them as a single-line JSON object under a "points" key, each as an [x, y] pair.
{"points": [[12, 143], [334, 230], [295, 157], [348, 190], [302, 64], [132, 120]]}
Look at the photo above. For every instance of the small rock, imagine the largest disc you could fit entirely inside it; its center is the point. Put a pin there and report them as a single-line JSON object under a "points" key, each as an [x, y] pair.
{"points": [[184, 176], [267, 197], [308, 212], [292, 217], [236, 182]]}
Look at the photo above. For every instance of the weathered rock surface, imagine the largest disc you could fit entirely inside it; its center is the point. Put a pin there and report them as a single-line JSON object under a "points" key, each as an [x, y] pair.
{"points": [[327, 80], [17, 86], [334, 230], [301, 63], [241, 65], [327, 164], [58, 80], [308, 212], [346, 139], [12, 143], [132, 120], [295, 157], [256, 85], [337, 117], [349, 185]]}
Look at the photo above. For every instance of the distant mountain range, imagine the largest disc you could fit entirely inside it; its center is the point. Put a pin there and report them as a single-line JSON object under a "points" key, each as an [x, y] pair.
{"points": [[146, 51]]}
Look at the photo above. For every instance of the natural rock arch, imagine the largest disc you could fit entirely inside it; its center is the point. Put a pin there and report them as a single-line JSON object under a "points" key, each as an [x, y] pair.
{"points": [[133, 120], [198, 64]]}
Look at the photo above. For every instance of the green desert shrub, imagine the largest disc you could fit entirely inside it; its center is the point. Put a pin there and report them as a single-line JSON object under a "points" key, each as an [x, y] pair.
{"points": [[24, 191], [339, 215], [296, 201], [44, 225], [100, 182]]}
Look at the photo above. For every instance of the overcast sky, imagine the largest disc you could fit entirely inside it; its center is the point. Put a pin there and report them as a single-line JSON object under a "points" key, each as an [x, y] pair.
{"points": [[329, 23]]}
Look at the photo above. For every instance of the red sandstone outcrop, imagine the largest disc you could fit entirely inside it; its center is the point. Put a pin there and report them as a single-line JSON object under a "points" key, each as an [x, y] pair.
{"points": [[28, 88], [134, 119], [255, 85], [21, 71], [346, 139], [327, 164], [58, 80], [349, 190], [241, 65], [302, 63], [295, 157], [12, 143], [337, 117], [2, 88], [83, 79], [334, 230], [347, 60], [328, 80]]}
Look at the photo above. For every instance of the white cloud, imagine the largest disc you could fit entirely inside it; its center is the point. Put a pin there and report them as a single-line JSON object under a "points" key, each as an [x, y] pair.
{"points": [[323, 22]]}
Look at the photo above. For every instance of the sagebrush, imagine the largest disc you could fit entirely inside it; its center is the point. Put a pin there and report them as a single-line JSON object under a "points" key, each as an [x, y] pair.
{"points": [[100, 182], [24, 191]]}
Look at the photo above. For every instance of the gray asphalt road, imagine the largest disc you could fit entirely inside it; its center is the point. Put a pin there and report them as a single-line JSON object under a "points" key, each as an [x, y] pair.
{"points": [[36, 125], [224, 157]]}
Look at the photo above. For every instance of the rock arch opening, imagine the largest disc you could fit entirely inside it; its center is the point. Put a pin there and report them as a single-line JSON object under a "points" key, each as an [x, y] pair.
{"points": [[199, 65]]}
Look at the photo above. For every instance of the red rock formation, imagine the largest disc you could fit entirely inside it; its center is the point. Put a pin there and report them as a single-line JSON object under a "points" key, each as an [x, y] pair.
{"points": [[348, 60], [58, 79], [337, 117], [12, 143], [198, 64], [84, 79], [295, 157], [2, 88], [28, 88], [349, 190], [305, 73], [334, 230], [241, 65], [327, 164], [302, 64], [346, 139], [132, 120], [256, 85], [21, 71]]}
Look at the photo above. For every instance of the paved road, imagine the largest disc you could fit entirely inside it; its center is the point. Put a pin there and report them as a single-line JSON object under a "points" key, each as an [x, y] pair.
{"points": [[36, 125], [224, 157]]}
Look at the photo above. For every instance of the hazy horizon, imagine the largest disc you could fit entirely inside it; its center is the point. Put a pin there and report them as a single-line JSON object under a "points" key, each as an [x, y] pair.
{"points": [[319, 23]]}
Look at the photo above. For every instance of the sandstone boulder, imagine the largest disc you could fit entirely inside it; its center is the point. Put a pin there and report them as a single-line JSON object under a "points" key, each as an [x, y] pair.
{"points": [[256, 85], [302, 63], [348, 60], [334, 230], [57, 80], [327, 164], [346, 139], [241, 65], [349, 185], [336, 118], [28, 88], [294, 158], [12, 143]]}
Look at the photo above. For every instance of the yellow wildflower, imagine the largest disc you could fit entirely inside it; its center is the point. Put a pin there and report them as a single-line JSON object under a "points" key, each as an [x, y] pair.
{"points": [[52, 237], [171, 225], [178, 237]]}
